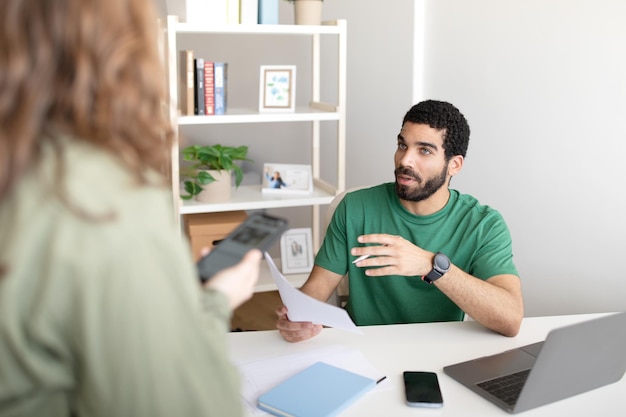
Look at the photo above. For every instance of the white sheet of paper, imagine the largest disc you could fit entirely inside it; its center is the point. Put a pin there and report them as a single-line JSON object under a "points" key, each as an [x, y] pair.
{"points": [[259, 376], [305, 308]]}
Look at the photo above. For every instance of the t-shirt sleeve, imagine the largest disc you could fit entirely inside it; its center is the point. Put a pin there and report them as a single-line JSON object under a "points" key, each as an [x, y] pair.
{"points": [[333, 254], [495, 254]]}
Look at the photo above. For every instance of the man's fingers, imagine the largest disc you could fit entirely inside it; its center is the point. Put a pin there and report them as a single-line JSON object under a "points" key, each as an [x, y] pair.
{"points": [[281, 312]]}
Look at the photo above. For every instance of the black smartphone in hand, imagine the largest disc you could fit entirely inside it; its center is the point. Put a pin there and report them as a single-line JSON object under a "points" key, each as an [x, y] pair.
{"points": [[258, 231], [422, 389]]}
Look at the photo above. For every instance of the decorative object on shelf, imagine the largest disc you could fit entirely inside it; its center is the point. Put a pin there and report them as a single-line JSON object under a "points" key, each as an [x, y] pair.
{"points": [[268, 12], [277, 88], [249, 12], [217, 191], [208, 178], [233, 13], [307, 12], [287, 179], [296, 251]]}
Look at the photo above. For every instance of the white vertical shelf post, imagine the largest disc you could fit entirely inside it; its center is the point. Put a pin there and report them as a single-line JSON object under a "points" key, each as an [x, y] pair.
{"points": [[341, 98], [315, 133], [172, 78]]}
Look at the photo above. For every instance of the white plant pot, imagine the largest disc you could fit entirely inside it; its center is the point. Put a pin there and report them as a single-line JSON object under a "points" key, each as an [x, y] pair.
{"points": [[217, 191], [308, 12]]}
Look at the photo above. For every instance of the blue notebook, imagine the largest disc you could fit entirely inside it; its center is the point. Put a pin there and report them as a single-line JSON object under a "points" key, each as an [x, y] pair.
{"points": [[321, 390]]}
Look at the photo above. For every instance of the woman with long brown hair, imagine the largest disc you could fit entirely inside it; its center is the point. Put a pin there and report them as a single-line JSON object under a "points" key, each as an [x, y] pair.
{"points": [[101, 312]]}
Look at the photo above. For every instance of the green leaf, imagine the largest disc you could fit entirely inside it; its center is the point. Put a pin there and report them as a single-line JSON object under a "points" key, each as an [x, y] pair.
{"points": [[238, 175], [205, 178], [192, 188]]}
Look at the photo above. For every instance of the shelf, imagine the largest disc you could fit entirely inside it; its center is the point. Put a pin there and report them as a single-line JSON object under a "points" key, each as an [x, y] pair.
{"points": [[330, 28], [250, 197], [314, 113], [242, 115]]}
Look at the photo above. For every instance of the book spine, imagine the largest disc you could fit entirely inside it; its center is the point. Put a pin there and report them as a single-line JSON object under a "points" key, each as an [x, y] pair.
{"points": [[199, 90], [268, 12], [232, 12], [209, 88], [220, 90], [186, 84], [249, 12]]}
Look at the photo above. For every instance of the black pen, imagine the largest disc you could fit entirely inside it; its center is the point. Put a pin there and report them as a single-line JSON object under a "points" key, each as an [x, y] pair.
{"points": [[381, 380]]}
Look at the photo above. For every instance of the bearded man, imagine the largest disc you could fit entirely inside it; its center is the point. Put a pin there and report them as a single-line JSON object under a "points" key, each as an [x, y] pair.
{"points": [[428, 252]]}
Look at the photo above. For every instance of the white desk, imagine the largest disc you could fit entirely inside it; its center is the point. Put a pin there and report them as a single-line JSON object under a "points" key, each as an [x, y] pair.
{"points": [[429, 347]]}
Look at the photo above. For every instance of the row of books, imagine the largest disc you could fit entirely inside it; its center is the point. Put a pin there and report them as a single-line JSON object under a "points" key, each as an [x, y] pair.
{"points": [[203, 85]]}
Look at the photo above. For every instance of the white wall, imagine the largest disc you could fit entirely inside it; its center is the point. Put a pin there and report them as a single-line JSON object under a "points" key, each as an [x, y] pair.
{"points": [[380, 82], [543, 85]]}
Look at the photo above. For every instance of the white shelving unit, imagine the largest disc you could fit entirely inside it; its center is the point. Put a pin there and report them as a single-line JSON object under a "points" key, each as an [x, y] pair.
{"points": [[251, 197]]}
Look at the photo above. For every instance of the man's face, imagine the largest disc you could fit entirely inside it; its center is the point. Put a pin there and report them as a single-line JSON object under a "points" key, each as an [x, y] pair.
{"points": [[421, 168]]}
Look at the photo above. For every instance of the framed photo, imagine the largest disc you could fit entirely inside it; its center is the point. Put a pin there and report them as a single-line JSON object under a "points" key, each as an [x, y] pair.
{"points": [[287, 179], [296, 251], [277, 92]]}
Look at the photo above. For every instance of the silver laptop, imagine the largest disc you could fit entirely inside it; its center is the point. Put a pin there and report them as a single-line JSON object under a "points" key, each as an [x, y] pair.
{"points": [[572, 360]]}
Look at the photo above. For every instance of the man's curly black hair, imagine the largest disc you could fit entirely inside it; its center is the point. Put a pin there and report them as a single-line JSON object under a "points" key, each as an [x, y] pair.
{"points": [[441, 115]]}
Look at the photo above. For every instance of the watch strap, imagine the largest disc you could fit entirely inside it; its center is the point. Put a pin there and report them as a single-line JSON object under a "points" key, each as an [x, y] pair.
{"points": [[437, 272], [432, 276]]}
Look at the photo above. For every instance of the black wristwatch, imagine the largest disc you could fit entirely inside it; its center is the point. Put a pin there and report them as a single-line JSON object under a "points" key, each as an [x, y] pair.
{"points": [[441, 265]]}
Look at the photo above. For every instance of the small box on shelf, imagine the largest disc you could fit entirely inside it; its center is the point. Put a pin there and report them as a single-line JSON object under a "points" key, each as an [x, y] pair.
{"points": [[204, 229]]}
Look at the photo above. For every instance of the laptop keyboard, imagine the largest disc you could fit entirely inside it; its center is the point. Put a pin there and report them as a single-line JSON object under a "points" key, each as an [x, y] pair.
{"points": [[507, 387]]}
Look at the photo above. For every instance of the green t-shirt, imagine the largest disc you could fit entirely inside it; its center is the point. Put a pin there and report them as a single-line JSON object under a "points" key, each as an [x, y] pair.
{"points": [[473, 236]]}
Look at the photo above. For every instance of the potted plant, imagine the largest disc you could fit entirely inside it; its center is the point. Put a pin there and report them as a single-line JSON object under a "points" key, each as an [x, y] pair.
{"points": [[307, 12], [208, 178]]}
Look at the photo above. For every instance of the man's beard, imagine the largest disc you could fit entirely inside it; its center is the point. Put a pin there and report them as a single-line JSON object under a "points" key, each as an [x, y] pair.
{"points": [[422, 192]]}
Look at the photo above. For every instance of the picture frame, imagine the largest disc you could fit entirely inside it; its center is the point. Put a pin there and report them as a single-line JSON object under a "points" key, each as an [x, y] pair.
{"points": [[277, 88], [287, 179], [296, 251]]}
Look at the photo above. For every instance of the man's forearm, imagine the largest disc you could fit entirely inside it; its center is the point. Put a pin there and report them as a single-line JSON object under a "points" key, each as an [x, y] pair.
{"points": [[496, 304], [321, 284]]}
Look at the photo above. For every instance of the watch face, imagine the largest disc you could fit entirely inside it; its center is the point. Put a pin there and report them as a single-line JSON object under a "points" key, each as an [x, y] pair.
{"points": [[442, 262]]}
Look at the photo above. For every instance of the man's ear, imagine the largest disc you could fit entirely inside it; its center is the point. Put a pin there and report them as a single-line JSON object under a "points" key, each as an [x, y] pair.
{"points": [[455, 165]]}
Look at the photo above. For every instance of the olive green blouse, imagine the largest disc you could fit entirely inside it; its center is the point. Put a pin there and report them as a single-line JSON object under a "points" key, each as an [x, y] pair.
{"points": [[102, 315]]}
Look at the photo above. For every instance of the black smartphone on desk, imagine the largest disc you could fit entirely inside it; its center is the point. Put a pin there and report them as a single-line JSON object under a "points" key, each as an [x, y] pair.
{"points": [[259, 231], [422, 389]]}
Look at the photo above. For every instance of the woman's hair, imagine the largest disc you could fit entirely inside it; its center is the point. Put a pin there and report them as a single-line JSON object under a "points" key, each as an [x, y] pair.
{"points": [[88, 69]]}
